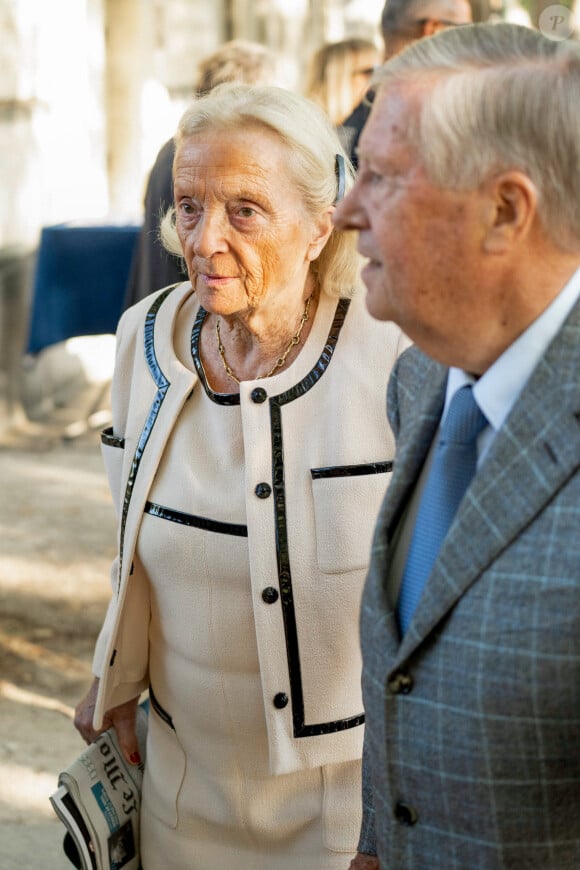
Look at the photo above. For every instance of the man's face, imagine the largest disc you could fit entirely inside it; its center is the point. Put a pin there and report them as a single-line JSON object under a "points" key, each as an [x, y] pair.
{"points": [[423, 242], [447, 12], [426, 19]]}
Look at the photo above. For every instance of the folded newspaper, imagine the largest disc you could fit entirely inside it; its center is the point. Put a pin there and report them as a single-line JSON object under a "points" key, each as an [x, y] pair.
{"points": [[99, 799]]}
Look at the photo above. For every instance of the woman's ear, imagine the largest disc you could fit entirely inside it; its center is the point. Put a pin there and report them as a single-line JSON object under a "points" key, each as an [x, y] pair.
{"points": [[513, 199], [321, 230]]}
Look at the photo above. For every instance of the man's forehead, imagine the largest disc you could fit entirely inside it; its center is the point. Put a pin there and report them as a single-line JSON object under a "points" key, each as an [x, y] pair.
{"points": [[448, 10], [394, 116]]}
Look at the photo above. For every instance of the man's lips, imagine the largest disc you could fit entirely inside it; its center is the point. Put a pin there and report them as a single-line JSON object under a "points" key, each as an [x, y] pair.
{"points": [[371, 263], [368, 256]]}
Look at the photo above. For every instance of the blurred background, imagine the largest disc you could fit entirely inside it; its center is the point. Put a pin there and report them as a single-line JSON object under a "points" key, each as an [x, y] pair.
{"points": [[90, 89], [89, 92]]}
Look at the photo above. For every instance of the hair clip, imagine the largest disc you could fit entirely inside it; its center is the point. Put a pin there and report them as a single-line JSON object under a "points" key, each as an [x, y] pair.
{"points": [[340, 172]]}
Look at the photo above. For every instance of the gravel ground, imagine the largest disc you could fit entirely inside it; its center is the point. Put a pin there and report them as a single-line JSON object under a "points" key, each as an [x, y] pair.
{"points": [[56, 544]]}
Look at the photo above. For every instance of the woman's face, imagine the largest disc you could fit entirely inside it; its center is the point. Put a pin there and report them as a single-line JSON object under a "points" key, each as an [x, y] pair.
{"points": [[244, 230]]}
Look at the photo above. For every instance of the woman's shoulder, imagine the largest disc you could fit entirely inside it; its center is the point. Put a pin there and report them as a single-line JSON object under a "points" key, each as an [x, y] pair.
{"points": [[170, 298]]}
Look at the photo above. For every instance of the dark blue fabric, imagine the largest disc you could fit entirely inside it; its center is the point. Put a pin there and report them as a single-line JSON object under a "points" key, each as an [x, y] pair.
{"points": [[80, 280]]}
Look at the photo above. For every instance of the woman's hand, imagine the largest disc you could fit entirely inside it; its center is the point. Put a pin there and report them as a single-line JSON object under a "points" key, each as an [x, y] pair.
{"points": [[121, 718], [364, 862]]}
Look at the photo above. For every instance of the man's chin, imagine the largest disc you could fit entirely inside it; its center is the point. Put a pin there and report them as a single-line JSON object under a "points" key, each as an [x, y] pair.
{"points": [[376, 303]]}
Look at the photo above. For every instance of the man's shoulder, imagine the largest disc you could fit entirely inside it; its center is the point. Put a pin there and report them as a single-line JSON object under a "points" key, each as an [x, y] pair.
{"points": [[414, 366]]}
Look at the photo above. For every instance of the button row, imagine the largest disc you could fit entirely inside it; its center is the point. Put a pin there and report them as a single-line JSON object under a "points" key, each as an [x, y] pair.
{"points": [[269, 594]]}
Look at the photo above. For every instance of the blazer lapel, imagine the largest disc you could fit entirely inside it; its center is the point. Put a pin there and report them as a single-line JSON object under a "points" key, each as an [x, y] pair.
{"points": [[420, 411], [531, 458], [174, 383]]}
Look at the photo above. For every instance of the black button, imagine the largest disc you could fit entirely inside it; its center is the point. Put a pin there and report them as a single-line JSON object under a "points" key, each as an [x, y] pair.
{"points": [[405, 814], [400, 683], [281, 700], [270, 595], [263, 490], [258, 395]]}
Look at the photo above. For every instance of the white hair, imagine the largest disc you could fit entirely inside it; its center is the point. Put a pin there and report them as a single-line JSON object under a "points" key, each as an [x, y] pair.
{"points": [[504, 97]]}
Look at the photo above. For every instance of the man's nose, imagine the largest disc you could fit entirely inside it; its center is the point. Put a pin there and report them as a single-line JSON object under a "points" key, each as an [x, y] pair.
{"points": [[349, 213]]}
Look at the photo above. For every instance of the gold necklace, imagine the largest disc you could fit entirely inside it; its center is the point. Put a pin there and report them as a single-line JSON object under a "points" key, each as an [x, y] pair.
{"points": [[281, 359]]}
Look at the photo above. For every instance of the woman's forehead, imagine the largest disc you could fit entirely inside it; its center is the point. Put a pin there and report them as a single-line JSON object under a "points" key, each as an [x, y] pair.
{"points": [[253, 155]]}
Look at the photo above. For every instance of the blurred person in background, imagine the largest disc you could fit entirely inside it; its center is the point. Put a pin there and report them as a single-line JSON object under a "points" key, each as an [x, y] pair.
{"points": [[339, 74], [248, 457], [402, 23], [153, 267]]}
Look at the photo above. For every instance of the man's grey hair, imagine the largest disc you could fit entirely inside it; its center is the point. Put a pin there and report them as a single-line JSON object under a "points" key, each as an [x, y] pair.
{"points": [[504, 97]]}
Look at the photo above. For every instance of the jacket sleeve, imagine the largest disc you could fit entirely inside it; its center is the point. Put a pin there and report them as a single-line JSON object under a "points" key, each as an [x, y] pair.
{"points": [[367, 841]]}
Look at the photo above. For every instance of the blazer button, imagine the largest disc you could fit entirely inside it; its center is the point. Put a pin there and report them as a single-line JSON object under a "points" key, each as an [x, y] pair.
{"points": [[405, 814], [400, 683], [258, 395], [270, 595], [281, 700], [263, 490]]}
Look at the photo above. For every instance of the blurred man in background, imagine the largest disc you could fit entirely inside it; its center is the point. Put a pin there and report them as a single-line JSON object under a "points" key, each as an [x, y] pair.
{"points": [[403, 22]]}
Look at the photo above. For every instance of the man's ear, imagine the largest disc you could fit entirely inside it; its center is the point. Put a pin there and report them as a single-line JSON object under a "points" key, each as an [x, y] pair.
{"points": [[513, 207], [323, 226]]}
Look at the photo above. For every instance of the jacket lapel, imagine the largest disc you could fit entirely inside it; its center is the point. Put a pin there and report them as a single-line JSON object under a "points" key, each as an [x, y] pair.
{"points": [[173, 385], [420, 411], [531, 458]]}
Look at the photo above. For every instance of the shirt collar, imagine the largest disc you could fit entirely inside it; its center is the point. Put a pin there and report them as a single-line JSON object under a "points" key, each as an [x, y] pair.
{"points": [[497, 390]]}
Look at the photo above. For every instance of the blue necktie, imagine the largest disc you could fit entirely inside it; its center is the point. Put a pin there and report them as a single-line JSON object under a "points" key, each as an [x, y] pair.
{"points": [[453, 466]]}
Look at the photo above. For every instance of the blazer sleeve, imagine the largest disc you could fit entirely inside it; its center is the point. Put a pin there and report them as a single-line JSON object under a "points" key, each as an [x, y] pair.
{"points": [[367, 841]]}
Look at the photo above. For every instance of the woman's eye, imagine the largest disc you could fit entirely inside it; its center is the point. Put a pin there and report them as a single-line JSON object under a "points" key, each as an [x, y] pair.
{"points": [[187, 208], [246, 211]]}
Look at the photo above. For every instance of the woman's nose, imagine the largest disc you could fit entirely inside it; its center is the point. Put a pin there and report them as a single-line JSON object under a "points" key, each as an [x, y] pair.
{"points": [[210, 234]]}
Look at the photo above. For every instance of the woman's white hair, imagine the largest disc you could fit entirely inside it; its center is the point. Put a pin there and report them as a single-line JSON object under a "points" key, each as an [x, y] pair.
{"points": [[505, 97], [312, 145]]}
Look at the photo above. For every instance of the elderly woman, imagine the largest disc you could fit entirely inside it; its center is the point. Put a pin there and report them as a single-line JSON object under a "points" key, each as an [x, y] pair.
{"points": [[248, 457]]}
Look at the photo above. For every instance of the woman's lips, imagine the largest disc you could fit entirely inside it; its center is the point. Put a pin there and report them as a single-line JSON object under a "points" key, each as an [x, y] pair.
{"points": [[215, 280]]}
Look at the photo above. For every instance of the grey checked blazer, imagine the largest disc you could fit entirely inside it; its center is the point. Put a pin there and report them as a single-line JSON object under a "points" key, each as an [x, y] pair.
{"points": [[473, 720]]}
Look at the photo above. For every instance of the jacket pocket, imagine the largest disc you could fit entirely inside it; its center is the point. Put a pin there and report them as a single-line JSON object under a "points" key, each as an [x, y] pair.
{"points": [[346, 504], [165, 765], [341, 809]]}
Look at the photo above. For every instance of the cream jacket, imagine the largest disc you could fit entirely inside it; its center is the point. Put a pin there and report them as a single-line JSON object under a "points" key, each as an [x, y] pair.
{"points": [[318, 455]]}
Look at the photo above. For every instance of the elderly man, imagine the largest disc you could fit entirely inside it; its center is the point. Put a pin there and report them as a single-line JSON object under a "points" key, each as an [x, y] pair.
{"points": [[403, 22], [467, 209]]}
